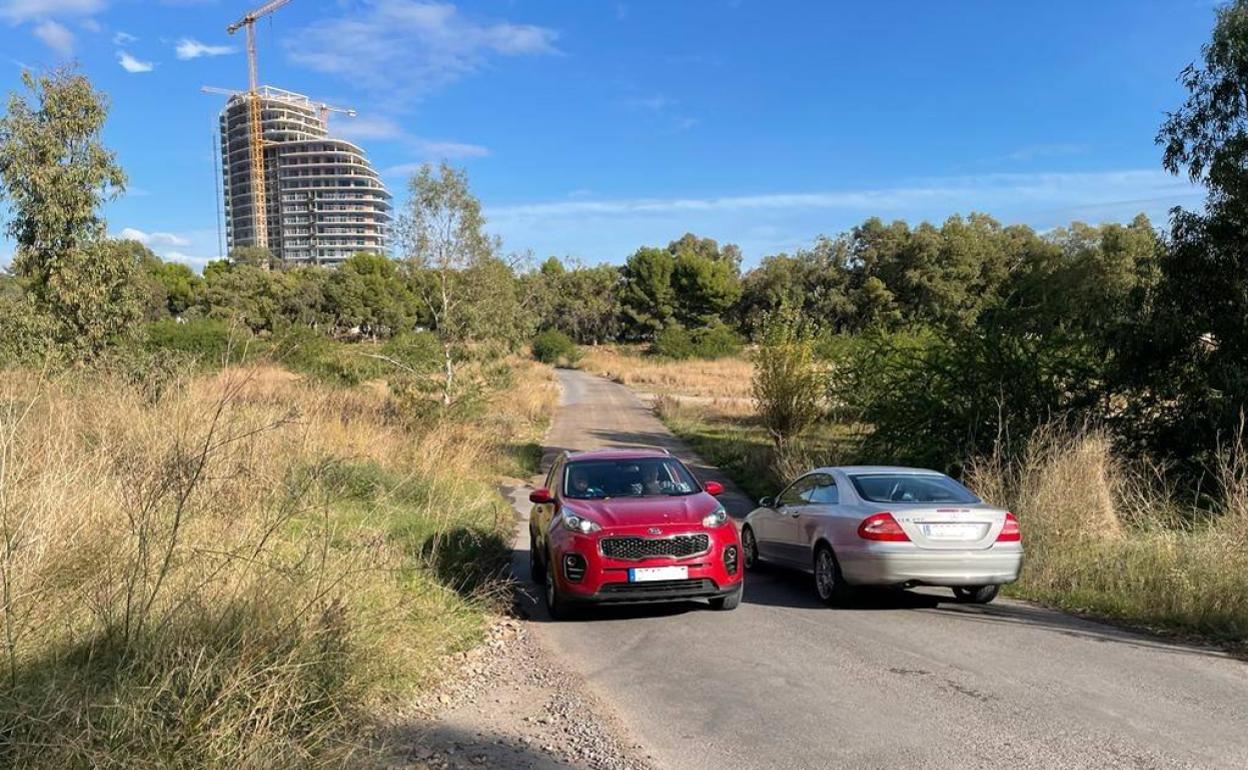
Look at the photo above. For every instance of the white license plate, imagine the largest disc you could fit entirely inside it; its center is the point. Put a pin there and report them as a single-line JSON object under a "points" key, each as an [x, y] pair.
{"points": [[645, 574], [954, 531]]}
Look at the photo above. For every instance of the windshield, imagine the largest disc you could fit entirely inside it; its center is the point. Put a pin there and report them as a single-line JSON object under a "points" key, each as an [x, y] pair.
{"points": [[911, 488], [647, 477]]}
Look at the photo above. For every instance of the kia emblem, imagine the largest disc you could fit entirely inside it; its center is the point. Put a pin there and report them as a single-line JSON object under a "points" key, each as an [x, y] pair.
{"points": [[655, 531]]}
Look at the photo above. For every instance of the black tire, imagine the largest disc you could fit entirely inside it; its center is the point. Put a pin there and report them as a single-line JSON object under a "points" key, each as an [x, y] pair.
{"points": [[830, 585], [975, 594], [749, 549], [556, 606], [729, 602], [537, 565]]}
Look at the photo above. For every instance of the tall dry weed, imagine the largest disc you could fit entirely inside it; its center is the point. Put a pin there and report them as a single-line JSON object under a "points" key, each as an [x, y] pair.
{"points": [[1109, 536], [234, 575]]}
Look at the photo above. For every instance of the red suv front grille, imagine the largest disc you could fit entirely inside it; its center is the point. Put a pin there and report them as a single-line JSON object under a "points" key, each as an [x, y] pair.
{"points": [[637, 548]]}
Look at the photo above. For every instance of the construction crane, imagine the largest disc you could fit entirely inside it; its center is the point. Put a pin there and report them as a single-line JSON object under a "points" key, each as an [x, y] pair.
{"points": [[259, 211], [324, 108]]}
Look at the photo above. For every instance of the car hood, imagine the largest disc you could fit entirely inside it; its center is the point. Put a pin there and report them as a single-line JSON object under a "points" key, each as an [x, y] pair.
{"points": [[645, 511]]}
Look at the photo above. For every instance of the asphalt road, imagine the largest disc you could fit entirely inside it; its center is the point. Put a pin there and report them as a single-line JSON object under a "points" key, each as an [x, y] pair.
{"points": [[784, 682]]}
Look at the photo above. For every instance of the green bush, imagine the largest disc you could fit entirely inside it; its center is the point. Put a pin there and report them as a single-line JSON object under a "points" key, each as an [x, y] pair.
{"points": [[554, 347], [717, 341], [206, 341], [674, 342], [416, 352], [304, 350], [712, 342]]}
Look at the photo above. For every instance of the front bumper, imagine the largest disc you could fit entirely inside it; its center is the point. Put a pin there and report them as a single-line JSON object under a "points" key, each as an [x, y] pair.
{"points": [[605, 579], [658, 591], [907, 564]]}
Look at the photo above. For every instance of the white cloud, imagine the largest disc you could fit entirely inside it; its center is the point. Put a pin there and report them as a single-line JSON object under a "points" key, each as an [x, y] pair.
{"points": [[124, 38], [187, 259], [433, 151], [193, 49], [769, 222], [367, 128], [981, 192], [17, 11], [133, 65], [450, 150], [1055, 150], [56, 36], [154, 239], [406, 47]]}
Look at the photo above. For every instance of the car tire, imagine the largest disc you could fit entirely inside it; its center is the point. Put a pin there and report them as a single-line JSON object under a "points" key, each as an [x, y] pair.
{"points": [[556, 606], [749, 549], [729, 602], [537, 565], [975, 594], [830, 585]]}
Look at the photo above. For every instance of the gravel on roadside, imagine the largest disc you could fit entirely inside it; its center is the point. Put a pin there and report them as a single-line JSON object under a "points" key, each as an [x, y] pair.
{"points": [[508, 704]]}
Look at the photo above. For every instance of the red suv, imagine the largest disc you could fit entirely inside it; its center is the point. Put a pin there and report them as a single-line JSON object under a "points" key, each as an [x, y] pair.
{"points": [[627, 526]]}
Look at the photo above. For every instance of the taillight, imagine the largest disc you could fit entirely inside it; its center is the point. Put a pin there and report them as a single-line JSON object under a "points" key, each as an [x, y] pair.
{"points": [[882, 526], [1010, 533]]}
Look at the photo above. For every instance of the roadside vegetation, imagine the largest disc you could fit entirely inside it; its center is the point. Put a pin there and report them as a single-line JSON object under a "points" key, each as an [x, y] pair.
{"points": [[244, 572], [244, 516]]}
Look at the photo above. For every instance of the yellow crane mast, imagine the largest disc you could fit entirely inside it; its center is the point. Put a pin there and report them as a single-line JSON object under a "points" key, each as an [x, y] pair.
{"points": [[259, 210]]}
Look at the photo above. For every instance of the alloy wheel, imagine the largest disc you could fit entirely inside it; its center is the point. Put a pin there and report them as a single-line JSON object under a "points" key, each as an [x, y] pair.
{"points": [[750, 547], [825, 574]]}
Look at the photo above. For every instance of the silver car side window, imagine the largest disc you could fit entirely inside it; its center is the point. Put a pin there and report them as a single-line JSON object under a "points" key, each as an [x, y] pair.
{"points": [[825, 492], [797, 492]]}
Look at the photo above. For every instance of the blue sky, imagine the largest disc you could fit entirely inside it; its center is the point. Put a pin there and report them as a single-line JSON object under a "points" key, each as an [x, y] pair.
{"points": [[591, 128]]}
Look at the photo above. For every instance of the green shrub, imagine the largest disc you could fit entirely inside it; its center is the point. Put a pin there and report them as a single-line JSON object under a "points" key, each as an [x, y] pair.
{"points": [[414, 351], [674, 342], [554, 347], [309, 352], [204, 340], [717, 341], [680, 343], [788, 381]]}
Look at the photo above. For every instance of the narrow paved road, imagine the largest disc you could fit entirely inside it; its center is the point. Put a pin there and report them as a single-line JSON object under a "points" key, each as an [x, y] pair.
{"points": [[784, 682]]}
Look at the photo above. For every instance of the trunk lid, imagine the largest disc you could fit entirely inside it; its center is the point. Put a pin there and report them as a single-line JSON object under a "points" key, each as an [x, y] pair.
{"points": [[950, 527]]}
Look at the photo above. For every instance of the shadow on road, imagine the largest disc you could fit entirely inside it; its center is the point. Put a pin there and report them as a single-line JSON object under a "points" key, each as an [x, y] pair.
{"points": [[777, 587], [1045, 620], [423, 744]]}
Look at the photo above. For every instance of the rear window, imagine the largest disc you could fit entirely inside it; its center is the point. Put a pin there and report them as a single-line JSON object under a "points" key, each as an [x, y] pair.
{"points": [[910, 488]]}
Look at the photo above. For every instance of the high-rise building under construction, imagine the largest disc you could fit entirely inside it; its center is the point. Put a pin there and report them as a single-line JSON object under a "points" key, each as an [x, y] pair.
{"points": [[323, 200]]}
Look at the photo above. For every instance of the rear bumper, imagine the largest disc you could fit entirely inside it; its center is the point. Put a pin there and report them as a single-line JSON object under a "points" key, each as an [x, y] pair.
{"points": [[909, 564]]}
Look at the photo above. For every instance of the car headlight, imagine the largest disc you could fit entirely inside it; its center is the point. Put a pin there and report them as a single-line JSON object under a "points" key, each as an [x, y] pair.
{"points": [[716, 518], [581, 525]]}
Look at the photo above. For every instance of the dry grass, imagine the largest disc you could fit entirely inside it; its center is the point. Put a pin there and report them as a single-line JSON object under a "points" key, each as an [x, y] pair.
{"points": [[724, 378], [242, 573], [1108, 537]]}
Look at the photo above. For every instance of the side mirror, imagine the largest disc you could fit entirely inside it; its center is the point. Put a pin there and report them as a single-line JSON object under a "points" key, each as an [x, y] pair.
{"points": [[713, 488], [541, 496], [767, 502]]}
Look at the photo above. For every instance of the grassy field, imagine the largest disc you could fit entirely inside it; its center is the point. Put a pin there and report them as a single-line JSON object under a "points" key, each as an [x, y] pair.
{"points": [[1103, 536], [245, 570], [726, 379]]}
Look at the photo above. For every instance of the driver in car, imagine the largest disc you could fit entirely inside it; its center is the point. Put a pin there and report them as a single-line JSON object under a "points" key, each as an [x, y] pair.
{"points": [[581, 486]]}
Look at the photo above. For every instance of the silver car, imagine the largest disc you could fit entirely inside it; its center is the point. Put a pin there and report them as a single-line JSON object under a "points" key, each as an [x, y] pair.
{"points": [[884, 526]]}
